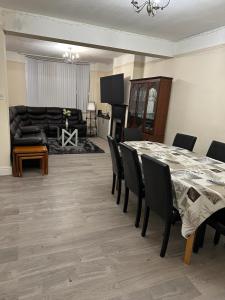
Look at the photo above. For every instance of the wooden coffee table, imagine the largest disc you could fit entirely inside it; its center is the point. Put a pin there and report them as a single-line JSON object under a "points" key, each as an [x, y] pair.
{"points": [[21, 153]]}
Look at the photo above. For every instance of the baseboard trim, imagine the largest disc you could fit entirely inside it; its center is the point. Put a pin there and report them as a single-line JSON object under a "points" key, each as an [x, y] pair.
{"points": [[5, 171]]}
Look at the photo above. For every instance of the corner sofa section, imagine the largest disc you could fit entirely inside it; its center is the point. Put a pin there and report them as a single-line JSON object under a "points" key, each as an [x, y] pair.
{"points": [[30, 126]]}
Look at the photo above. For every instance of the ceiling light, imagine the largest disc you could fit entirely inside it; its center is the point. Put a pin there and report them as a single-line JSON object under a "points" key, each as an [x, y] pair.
{"points": [[70, 56], [152, 6]]}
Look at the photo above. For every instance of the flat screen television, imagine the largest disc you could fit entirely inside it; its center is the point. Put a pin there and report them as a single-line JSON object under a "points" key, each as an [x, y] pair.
{"points": [[112, 89]]}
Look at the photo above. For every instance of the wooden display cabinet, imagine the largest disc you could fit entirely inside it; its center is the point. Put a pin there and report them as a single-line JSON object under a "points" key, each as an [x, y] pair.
{"points": [[148, 106]]}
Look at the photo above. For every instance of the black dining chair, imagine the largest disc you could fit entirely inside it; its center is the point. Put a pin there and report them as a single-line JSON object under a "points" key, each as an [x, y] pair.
{"points": [[132, 178], [217, 222], [217, 151], [116, 166], [158, 196], [184, 141], [133, 134]]}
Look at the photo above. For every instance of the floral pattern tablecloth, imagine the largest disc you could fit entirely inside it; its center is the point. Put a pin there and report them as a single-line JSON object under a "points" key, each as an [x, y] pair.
{"points": [[199, 182]]}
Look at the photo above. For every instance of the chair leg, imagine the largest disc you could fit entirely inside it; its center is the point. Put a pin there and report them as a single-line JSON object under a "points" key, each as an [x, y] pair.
{"points": [[199, 238], [119, 191], [202, 235], [138, 214], [196, 243], [145, 223], [216, 237], [126, 200], [113, 183], [165, 239]]}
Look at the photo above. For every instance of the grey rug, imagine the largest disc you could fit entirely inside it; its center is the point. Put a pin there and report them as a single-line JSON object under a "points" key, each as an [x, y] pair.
{"points": [[84, 146]]}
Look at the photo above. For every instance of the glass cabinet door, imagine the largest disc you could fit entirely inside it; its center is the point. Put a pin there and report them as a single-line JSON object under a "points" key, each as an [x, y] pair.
{"points": [[132, 105], [140, 104], [151, 106]]}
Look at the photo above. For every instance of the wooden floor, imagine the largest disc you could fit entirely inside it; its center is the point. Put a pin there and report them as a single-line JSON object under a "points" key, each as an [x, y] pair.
{"points": [[62, 237]]}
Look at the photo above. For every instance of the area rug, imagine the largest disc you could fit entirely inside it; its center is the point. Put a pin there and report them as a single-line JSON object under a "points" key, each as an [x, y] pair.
{"points": [[84, 146]]}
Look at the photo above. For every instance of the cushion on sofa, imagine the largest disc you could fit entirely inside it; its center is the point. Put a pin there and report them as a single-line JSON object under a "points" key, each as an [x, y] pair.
{"points": [[30, 129]]}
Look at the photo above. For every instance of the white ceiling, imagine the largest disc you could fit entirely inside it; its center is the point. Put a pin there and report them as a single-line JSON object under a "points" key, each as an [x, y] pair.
{"points": [[183, 18], [33, 47]]}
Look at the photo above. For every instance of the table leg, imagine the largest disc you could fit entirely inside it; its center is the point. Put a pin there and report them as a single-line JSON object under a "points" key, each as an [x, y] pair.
{"points": [[189, 249], [46, 163], [17, 165], [76, 137], [42, 162], [20, 166], [14, 166]]}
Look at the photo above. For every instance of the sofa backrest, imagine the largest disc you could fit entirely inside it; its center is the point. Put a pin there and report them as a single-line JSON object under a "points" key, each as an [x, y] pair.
{"points": [[54, 115], [18, 117]]}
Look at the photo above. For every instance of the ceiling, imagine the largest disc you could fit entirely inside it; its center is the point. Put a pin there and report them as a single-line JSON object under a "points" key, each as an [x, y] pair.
{"points": [[183, 18], [51, 49]]}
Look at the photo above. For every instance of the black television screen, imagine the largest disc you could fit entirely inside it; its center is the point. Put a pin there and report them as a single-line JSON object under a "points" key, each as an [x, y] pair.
{"points": [[112, 89]]}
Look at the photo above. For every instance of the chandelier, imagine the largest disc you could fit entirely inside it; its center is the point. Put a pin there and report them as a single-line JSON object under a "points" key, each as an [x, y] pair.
{"points": [[152, 6], [71, 56]]}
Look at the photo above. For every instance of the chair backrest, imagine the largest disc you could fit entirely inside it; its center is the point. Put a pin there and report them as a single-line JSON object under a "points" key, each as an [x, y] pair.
{"points": [[132, 169], [217, 151], [184, 141], [158, 186], [133, 134], [115, 155]]}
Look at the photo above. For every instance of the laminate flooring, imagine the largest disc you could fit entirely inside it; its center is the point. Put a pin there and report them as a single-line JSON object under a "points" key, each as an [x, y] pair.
{"points": [[62, 237]]}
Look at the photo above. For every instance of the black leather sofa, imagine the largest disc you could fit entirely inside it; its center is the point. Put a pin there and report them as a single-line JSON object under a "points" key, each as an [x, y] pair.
{"points": [[32, 125]]}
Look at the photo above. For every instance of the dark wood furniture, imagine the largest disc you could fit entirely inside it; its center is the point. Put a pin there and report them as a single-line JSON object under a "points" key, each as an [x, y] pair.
{"points": [[21, 153], [148, 106]]}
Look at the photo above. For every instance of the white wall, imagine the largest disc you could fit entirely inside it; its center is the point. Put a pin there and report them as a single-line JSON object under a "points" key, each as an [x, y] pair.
{"points": [[197, 104]]}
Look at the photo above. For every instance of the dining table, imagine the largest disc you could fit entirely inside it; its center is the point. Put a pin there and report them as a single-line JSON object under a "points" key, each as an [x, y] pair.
{"points": [[198, 185]]}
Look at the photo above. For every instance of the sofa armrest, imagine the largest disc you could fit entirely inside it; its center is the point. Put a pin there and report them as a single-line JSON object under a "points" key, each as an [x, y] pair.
{"points": [[27, 141], [30, 129]]}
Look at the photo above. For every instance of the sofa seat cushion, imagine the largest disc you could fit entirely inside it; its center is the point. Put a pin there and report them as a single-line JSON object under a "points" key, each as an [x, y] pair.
{"points": [[31, 140], [30, 129]]}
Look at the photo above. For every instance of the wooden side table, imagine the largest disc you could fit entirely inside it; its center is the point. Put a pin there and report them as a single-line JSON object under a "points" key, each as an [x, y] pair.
{"points": [[21, 153]]}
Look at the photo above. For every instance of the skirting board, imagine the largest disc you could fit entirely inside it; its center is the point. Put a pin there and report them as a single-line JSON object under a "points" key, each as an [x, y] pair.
{"points": [[5, 171]]}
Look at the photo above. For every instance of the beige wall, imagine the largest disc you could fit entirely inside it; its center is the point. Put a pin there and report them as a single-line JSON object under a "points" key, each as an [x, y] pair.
{"points": [[16, 83], [197, 103], [95, 75], [5, 168]]}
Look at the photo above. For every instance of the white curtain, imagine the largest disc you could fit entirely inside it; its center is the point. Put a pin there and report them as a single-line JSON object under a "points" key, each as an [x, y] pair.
{"points": [[83, 86], [57, 84]]}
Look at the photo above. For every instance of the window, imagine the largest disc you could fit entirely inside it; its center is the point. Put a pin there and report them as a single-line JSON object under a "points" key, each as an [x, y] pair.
{"points": [[57, 84]]}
